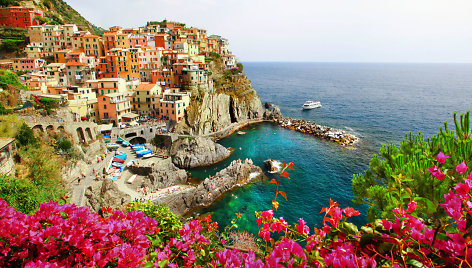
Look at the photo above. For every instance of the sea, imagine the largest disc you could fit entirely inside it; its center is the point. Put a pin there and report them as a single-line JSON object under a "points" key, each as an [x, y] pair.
{"points": [[378, 102]]}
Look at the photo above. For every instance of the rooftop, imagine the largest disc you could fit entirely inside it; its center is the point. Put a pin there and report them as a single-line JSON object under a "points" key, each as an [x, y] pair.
{"points": [[145, 87]]}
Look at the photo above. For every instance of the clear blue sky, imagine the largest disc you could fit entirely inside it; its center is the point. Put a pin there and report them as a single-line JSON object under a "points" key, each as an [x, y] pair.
{"points": [[311, 30]]}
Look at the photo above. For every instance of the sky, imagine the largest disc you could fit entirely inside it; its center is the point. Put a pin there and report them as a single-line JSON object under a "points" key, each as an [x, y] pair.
{"points": [[310, 30]]}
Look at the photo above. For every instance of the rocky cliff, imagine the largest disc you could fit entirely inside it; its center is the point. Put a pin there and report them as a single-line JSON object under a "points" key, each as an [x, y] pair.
{"points": [[237, 174], [230, 99], [196, 152]]}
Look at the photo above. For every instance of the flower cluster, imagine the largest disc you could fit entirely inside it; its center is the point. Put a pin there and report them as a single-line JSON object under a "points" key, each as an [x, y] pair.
{"points": [[68, 235]]}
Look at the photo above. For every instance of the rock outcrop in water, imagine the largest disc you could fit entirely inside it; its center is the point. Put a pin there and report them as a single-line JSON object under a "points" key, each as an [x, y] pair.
{"points": [[196, 152], [273, 166], [272, 112], [237, 174]]}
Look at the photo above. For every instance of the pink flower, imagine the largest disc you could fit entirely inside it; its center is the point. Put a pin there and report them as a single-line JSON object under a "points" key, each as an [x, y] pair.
{"points": [[349, 212], [267, 214], [461, 168], [411, 207], [442, 158], [302, 228], [437, 173]]}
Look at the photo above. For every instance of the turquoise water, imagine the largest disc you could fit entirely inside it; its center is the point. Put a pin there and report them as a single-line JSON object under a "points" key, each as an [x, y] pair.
{"points": [[377, 102]]}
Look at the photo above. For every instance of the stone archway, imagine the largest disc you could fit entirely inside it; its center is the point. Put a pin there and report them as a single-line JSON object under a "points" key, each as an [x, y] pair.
{"points": [[38, 128], [137, 140], [132, 134], [88, 131], [50, 129], [60, 128], [80, 135]]}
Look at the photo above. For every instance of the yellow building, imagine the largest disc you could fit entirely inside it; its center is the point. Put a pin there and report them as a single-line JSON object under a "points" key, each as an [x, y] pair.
{"points": [[93, 45], [146, 99]]}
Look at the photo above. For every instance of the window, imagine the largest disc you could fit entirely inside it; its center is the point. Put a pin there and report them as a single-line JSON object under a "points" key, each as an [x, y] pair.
{"points": [[104, 106], [103, 99]]}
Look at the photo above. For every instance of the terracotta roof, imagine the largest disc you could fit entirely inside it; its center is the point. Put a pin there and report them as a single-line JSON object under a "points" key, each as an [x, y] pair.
{"points": [[76, 64], [91, 35], [145, 87]]}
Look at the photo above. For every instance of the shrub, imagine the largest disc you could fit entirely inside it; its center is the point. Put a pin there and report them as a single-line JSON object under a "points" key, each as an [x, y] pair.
{"points": [[25, 136], [398, 174]]}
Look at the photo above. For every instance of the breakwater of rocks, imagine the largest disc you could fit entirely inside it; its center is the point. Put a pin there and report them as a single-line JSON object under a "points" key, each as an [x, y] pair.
{"points": [[334, 135]]}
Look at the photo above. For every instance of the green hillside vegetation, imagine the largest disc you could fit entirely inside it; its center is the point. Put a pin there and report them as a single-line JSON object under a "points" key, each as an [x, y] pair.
{"points": [[59, 12], [12, 42], [38, 161]]}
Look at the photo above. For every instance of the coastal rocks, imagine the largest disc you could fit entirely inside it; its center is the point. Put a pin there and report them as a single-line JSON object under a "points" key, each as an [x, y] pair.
{"points": [[272, 112], [158, 175], [195, 152], [106, 194], [333, 135], [273, 166], [237, 174]]}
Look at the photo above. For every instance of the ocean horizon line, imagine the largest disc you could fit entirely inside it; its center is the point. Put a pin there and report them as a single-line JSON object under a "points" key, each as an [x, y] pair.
{"points": [[360, 62]]}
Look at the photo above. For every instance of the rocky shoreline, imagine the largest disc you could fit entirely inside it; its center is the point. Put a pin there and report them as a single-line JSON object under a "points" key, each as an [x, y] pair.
{"points": [[334, 135], [237, 174]]}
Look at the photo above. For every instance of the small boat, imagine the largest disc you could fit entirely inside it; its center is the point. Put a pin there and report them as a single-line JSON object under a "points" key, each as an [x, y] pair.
{"points": [[130, 163], [120, 153], [149, 155], [125, 144], [112, 146], [131, 180], [241, 132], [119, 140], [311, 105]]}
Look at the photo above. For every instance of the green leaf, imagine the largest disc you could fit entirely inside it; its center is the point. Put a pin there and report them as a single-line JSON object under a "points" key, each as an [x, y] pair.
{"points": [[348, 228]]}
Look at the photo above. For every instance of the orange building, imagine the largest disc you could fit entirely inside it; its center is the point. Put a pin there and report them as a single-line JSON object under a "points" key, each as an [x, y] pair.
{"points": [[119, 63], [116, 39], [114, 108]]}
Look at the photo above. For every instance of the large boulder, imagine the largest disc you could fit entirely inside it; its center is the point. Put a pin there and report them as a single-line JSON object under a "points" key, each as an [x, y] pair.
{"points": [[237, 174], [106, 194], [196, 152], [161, 174], [272, 112]]}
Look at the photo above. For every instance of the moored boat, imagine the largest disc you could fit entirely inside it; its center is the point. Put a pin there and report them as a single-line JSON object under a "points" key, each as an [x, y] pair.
{"points": [[311, 105]]}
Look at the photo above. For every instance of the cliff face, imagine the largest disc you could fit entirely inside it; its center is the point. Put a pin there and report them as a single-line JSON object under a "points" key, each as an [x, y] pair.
{"points": [[213, 108]]}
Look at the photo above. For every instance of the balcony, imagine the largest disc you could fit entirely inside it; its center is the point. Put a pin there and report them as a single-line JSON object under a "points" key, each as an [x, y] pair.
{"points": [[119, 101]]}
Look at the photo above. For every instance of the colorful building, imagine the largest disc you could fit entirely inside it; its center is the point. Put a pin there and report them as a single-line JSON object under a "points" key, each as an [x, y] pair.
{"points": [[173, 104], [92, 45], [114, 108], [146, 99], [20, 17], [25, 64]]}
